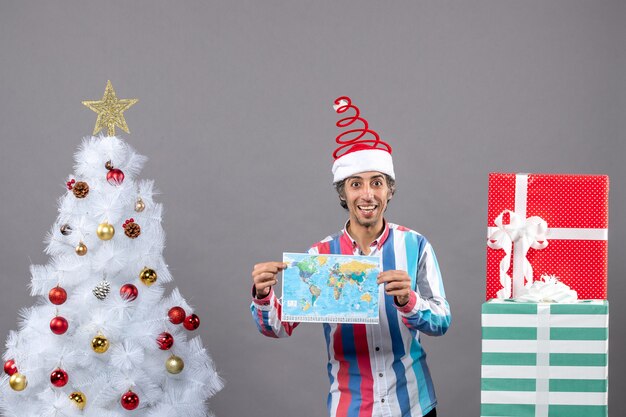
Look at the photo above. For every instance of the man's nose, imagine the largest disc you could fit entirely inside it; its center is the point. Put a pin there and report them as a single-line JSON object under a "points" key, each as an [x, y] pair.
{"points": [[368, 192]]}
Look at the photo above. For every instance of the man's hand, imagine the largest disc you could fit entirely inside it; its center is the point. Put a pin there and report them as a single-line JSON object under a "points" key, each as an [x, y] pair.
{"points": [[264, 277], [397, 283]]}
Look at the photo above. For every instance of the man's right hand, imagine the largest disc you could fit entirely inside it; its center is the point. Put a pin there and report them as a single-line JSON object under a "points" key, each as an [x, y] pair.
{"points": [[264, 277]]}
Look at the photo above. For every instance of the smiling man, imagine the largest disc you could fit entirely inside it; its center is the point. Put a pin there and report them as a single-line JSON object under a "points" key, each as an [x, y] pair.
{"points": [[378, 369]]}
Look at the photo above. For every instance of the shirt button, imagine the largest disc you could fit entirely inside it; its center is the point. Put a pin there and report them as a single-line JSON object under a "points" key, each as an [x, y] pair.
{"points": [[382, 400], [377, 348], [380, 375]]}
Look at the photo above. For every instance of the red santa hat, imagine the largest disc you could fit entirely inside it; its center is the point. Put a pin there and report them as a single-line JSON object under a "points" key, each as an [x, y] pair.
{"points": [[360, 149]]}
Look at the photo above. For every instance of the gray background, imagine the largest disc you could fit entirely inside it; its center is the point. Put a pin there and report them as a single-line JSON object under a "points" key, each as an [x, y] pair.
{"points": [[235, 115]]}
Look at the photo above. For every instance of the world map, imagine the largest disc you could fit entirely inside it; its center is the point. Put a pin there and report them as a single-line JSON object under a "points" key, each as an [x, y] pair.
{"points": [[330, 288]]}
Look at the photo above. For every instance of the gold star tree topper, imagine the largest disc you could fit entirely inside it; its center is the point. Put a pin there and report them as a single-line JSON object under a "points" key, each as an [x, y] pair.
{"points": [[110, 111]]}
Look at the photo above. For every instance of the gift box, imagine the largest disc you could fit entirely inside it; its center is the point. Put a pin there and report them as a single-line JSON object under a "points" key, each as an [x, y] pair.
{"points": [[544, 359], [547, 224]]}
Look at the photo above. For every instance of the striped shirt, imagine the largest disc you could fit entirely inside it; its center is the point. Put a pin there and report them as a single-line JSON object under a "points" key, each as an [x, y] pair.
{"points": [[379, 369]]}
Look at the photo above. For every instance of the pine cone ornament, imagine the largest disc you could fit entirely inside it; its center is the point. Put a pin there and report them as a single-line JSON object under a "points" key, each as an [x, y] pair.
{"points": [[102, 290], [80, 189], [131, 229]]}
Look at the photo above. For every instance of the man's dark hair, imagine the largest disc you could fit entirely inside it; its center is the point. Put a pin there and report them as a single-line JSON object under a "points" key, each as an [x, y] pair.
{"points": [[340, 187]]}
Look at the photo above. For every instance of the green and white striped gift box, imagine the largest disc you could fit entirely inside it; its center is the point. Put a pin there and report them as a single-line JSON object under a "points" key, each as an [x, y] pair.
{"points": [[544, 359]]}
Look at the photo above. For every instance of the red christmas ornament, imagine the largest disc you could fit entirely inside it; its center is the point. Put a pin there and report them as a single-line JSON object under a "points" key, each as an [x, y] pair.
{"points": [[57, 295], [115, 176], [192, 322], [165, 341], [129, 292], [70, 184], [10, 367], [58, 378], [130, 400], [176, 315], [58, 325]]}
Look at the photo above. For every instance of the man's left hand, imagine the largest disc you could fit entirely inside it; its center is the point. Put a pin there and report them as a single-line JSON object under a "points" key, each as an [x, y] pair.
{"points": [[397, 283]]}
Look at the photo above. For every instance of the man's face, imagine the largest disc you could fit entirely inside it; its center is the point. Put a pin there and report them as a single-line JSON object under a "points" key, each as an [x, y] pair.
{"points": [[366, 196]]}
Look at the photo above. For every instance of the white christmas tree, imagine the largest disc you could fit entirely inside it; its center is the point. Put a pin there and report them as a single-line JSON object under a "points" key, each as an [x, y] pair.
{"points": [[103, 339]]}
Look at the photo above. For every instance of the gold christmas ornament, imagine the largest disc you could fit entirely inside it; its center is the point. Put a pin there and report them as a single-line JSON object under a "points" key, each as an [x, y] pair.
{"points": [[110, 111], [174, 364], [105, 231], [79, 399], [81, 249], [18, 382], [148, 276], [140, 205], [100, 344]]}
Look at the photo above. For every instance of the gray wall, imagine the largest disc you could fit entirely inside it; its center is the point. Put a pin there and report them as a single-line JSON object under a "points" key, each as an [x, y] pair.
{"points": [[235, 115]]}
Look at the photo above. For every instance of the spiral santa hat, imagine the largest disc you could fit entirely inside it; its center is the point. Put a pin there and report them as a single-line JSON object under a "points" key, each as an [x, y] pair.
{"points": [[360, 148]]}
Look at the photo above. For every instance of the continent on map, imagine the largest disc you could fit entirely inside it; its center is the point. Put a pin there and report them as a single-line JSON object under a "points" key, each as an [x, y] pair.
{"points": [[307, 268], [315, 293], [356, 271], [353, 273], [367, 297], [305, 304]]}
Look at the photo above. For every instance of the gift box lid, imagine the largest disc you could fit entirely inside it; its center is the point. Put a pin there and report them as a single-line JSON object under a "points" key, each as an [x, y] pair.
{"points": [[498, 306], [562, 200]]}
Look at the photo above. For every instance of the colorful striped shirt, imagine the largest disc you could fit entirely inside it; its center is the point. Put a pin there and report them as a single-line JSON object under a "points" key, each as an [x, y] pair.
{"points": [[379, 369]]}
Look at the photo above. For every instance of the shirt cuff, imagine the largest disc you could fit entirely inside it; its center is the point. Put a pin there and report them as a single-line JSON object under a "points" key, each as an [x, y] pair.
{"points": [[408, 307], [261, 301]]}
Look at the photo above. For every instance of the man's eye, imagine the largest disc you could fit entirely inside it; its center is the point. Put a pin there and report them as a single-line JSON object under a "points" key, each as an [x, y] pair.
{"points": [[378, 183], [355, 184]]}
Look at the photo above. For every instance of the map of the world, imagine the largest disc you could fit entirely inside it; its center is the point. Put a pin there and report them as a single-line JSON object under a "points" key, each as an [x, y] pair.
{"points": [[330, 288]]}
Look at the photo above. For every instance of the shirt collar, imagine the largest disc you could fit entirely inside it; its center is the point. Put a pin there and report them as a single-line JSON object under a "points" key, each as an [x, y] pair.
{"points": [[377, 243]]}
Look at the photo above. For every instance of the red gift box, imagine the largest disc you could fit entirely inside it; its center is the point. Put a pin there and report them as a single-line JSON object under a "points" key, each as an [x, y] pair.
{"points": [[547, 224]]}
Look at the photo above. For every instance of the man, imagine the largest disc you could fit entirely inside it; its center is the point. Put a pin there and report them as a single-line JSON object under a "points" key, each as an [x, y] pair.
{"points": [[374, 370]]}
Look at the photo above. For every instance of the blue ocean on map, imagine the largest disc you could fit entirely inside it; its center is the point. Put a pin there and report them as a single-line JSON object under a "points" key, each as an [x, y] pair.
{"points": [[330, 288]]}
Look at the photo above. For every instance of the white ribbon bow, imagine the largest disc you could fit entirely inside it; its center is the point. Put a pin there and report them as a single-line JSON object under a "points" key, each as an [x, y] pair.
{"points": [[548, 290], [525, 233]]}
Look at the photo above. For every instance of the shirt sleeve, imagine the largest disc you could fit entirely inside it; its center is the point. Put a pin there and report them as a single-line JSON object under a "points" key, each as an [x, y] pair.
{"points": [[427, 310], [266, 313]]}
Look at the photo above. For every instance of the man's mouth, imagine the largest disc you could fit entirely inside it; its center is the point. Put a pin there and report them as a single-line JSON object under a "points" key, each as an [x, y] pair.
{"points": [[367, 208]]}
